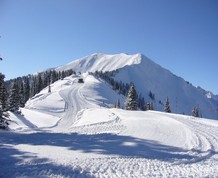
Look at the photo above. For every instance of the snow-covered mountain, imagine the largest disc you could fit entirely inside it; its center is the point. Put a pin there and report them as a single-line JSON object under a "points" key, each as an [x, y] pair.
{"points": [[101, 62], [92, 140], [149, 76]]}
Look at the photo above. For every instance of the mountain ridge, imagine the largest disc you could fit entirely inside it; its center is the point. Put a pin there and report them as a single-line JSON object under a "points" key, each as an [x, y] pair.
{"points": [[101, 62], [141, 57], [149, 76]]}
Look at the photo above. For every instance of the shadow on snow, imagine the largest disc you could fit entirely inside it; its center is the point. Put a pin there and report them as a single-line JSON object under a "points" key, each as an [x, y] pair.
{"points": [[108, 144], [12, 165]]}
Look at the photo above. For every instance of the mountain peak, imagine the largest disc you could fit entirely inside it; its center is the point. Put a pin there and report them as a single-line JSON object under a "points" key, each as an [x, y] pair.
{"points": [[102, 62], [124, 55]]}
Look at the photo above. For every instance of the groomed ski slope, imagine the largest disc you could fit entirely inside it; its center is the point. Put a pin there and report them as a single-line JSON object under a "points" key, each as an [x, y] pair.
{"points": [[82, 138]]}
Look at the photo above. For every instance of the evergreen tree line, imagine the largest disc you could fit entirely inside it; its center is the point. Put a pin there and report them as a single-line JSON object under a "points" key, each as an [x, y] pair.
{"points": [[21, 89], [130, 92], [120, 87], [131, 102], [136, 101]]}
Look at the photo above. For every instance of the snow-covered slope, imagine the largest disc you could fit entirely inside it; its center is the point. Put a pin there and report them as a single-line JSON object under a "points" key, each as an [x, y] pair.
{"points": [[149, 76], [114, 143], [68, 97], [71, 132]]}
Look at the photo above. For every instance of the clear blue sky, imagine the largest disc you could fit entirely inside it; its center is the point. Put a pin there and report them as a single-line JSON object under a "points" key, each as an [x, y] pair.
{"points": [[180, 35]]}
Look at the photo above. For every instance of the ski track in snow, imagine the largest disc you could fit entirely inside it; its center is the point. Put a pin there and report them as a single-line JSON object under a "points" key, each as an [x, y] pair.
{"points": [[206, 138], [89, 141], [74, 102]]}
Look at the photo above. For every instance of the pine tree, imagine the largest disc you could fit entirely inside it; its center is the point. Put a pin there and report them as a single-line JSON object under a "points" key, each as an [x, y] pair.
{"points": [[39, 83], [14, 98], [141, 103], [4, 99], [33, 86], [118, 103], [131, 102], [54, 77], [21, 96], [49, 88], [26, 89], [167, 106], [3, 103], [3, 122], [143, 107], [149, 106], [151, 95], [195, 112], [3, 94], [63, 75]]}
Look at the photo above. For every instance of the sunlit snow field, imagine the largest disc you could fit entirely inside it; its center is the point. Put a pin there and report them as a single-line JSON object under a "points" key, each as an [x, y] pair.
{"points": [[70, 133]]}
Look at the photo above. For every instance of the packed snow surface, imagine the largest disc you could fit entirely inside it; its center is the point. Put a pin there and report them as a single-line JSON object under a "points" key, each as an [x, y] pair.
{"points": [[71, 132]]}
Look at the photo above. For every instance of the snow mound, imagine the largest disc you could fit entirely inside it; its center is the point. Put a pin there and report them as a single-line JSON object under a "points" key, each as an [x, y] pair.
{"points": [[164, 128], [30, 119]]}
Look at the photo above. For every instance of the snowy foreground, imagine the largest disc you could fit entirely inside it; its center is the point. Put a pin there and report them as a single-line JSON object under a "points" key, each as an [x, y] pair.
{"points": [[70, 133]]}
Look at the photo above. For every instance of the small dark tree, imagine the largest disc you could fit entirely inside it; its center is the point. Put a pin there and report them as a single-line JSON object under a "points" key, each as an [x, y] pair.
{"points": [[63, 75], [151, 95], [149, 106], [21, 96], [3, 103], [167, 106], [49, 88], [3, 121], [117, 105], [14, 98], [54, 76], [131, 102], [26, 89], [141, 103], [3, 94], [39, 83], [195, 112], [33, 88]]}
